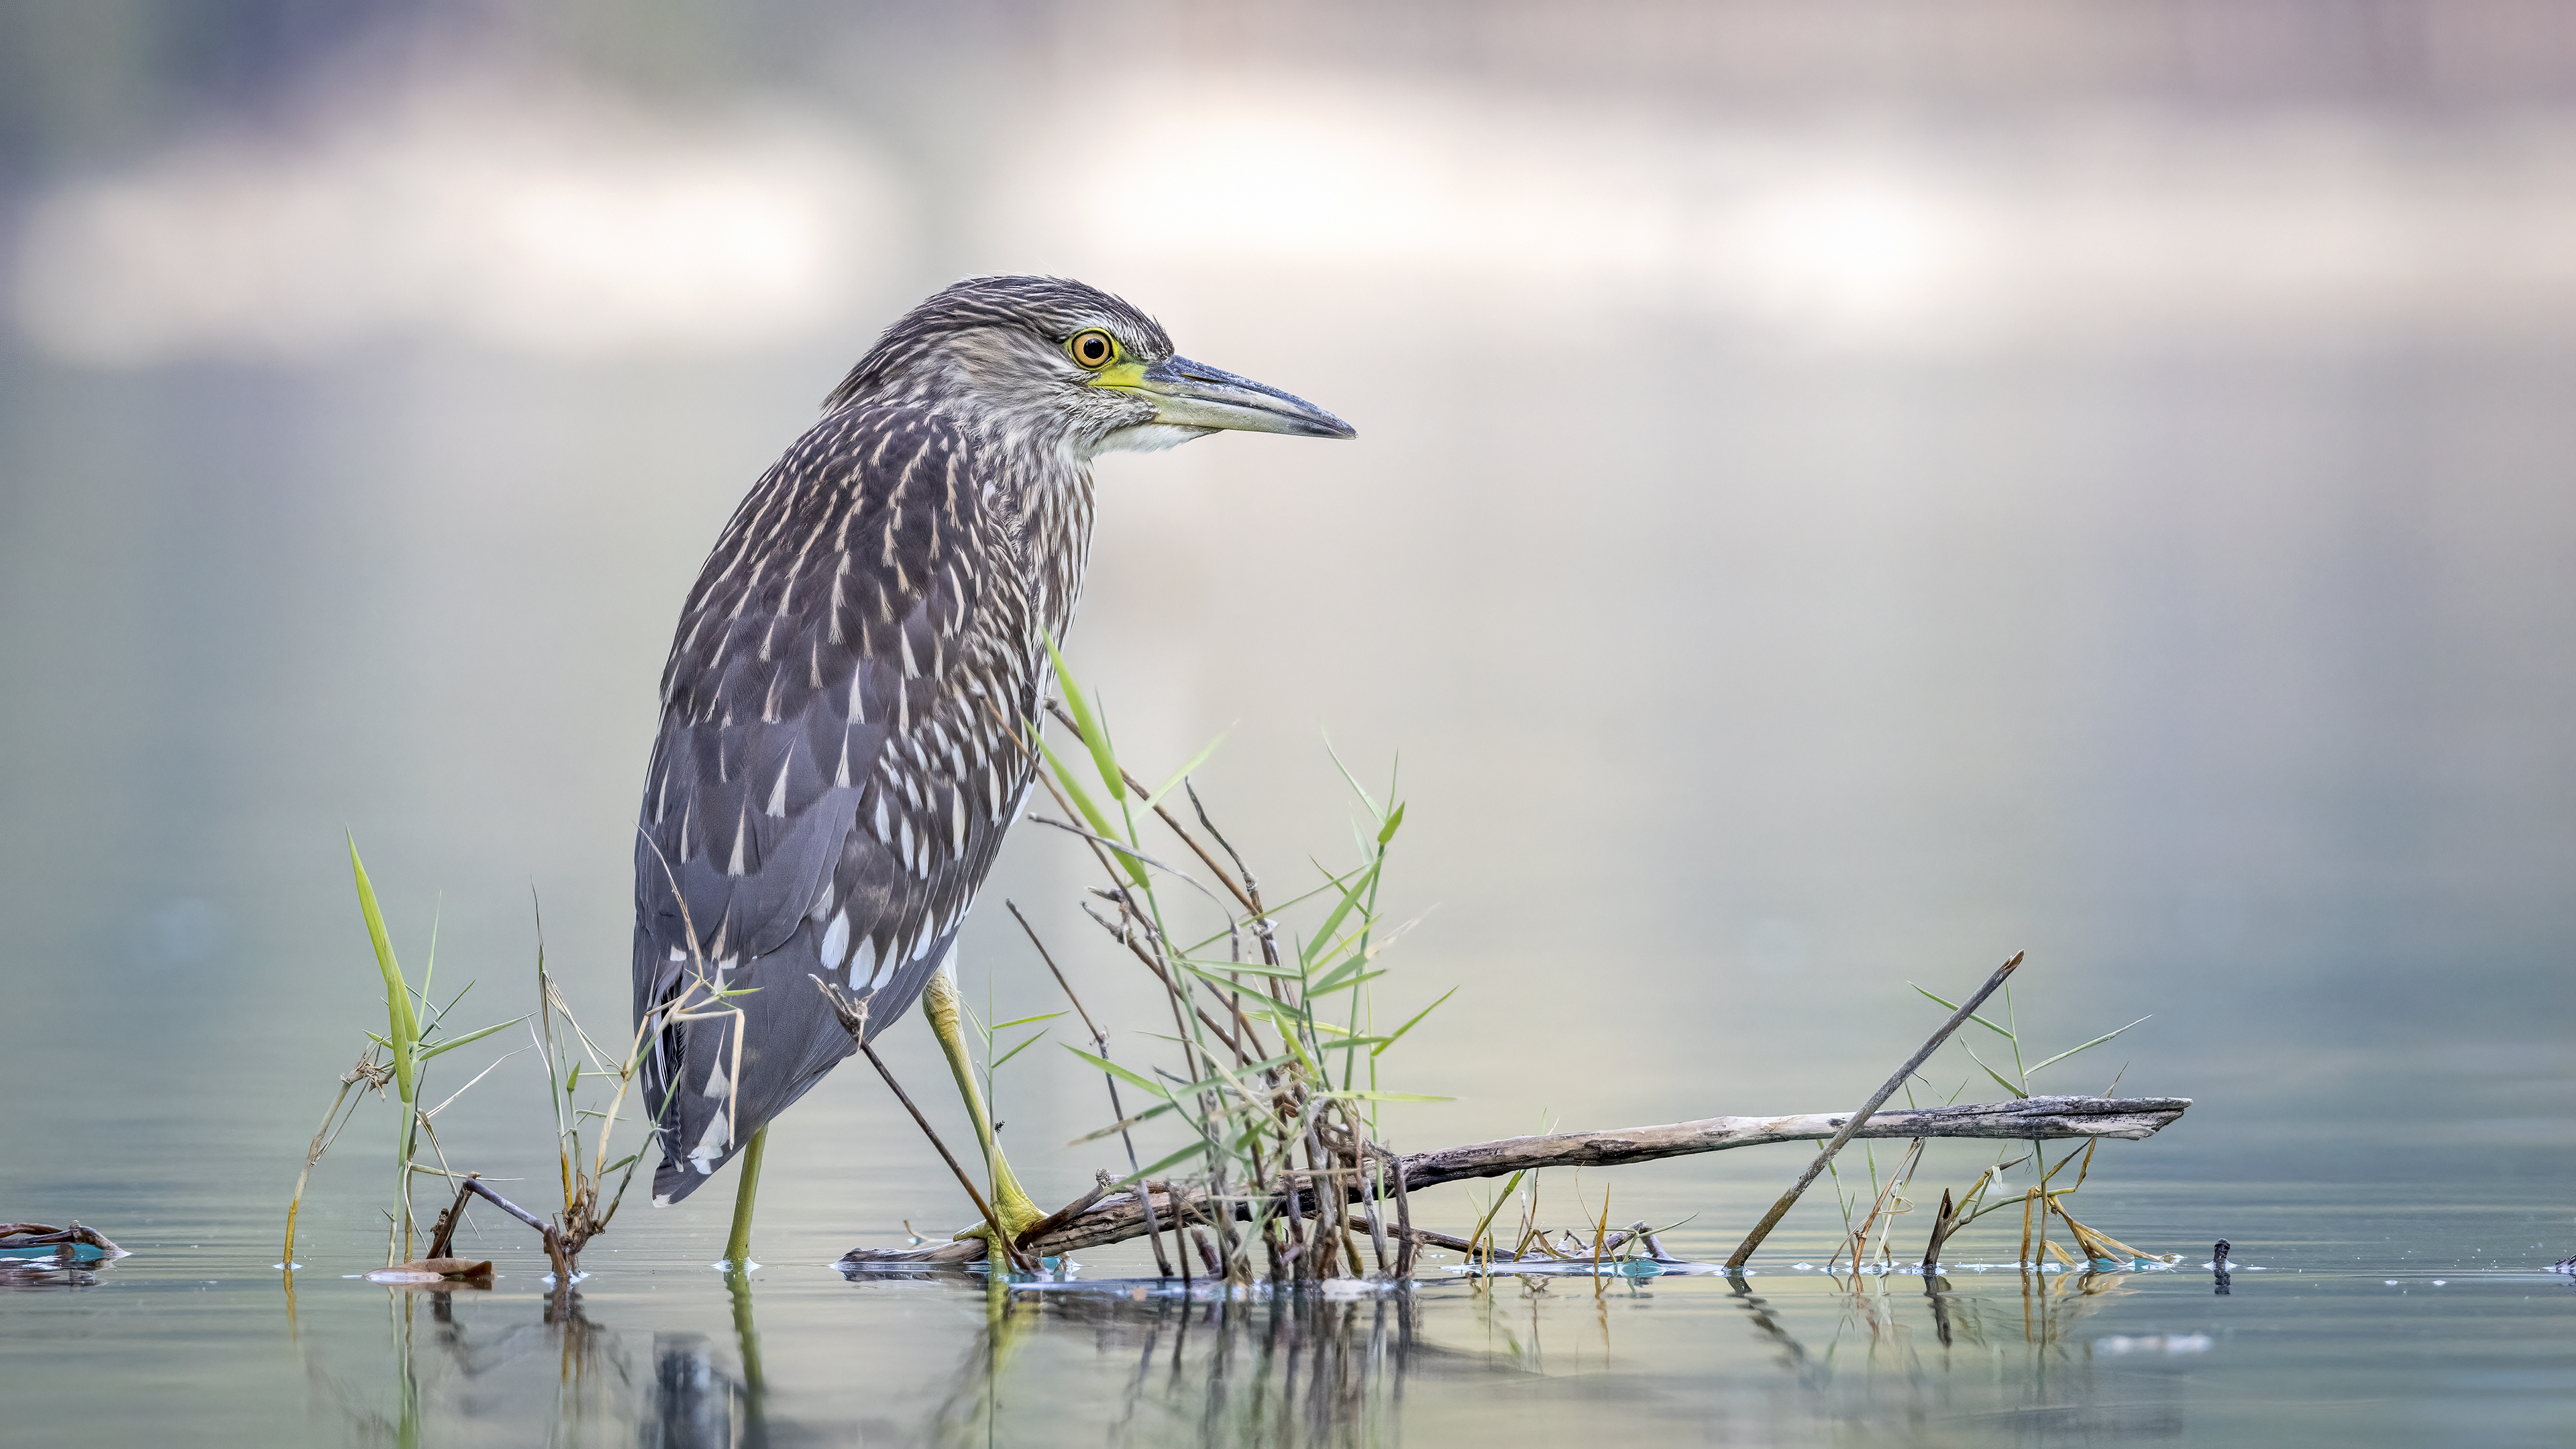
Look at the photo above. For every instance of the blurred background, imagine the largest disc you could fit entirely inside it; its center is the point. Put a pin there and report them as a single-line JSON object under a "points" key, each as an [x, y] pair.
{"points": [[1845, 492]]}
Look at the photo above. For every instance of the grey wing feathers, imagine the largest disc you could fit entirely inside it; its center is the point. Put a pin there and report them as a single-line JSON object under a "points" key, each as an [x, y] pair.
{"points": [[833, 773]]}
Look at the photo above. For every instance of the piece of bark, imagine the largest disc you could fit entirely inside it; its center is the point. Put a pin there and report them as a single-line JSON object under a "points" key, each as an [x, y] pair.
{"points": [[440, 1268], [37, 1235]]}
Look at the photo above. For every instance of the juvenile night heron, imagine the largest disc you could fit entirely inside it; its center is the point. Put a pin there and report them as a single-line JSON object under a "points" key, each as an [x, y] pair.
{"points": [[843, 711]]}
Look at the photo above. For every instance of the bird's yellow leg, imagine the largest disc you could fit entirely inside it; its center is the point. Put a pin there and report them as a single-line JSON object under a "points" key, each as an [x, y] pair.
{"points": [[1010, 1204], [747, 1191]]}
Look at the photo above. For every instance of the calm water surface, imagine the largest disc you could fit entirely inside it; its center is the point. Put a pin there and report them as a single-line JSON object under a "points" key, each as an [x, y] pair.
{"points": [[2417, 1319]]}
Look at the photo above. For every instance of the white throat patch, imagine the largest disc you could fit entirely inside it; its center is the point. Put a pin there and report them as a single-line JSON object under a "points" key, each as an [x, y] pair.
{"points": [[1148, 438]]}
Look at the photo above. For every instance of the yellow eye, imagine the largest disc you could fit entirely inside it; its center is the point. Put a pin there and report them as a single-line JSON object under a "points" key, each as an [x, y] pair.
{"points": [[1094, 348]]}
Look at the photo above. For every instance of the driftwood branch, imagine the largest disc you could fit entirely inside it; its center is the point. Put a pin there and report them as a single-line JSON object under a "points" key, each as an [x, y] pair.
{"points": [[38, 1235], [1124, 1215]]}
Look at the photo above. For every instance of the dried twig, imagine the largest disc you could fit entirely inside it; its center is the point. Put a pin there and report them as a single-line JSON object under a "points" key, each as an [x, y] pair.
{"points": [[993, 1223], [1780, 1209]]}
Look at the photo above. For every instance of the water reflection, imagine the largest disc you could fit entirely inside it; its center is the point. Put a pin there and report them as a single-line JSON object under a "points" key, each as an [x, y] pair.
{"points": [[946, 1358], [1291, 1368], [448, 1368], [51, 1275], [1312, 1370]]}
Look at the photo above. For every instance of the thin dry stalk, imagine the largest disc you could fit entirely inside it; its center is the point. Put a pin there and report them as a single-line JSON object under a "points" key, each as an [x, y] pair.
{"points": [[1404, 1219], [368, 1070], [1600, 1236], [1180, 1221], [1339, 1246], [1941, 1224], [1860, 1237], [1067, 1213], [1482, 1236], [1000, 1242], [1099, 1043], [1377, 1218], [1752, 1240], [1375, 1158], [1294, 1224], [1154, 1232]]}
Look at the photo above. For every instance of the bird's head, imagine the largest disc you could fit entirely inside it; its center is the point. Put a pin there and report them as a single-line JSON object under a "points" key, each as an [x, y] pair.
{"points": [[1058, 362]]}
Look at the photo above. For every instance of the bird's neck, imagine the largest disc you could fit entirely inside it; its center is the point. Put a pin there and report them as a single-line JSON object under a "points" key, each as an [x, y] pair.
{"points": [[1049, 514]]}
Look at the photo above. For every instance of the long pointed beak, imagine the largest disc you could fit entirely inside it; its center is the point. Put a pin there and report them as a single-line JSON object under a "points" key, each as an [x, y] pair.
{"points": [[1194, 395]]}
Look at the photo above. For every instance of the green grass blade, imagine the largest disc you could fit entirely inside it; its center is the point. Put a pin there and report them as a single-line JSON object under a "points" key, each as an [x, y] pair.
{"points": [[1213, 977], [1105, 1064], [1398, 1034], [1184, 772], [1229, 1078], [403, 1026], [1385, 1097], [429, 968], [1140, 1174], [1343, 985], [1979, 1020], [1023, 1021], [2070, 1051], [1248, 968], [1356, 787], [1394, 822], [1091, 813], [1277, 909], [1349, 960], [1114, 1128], [450, 1044], [1015, 1051], [1332, 922], [1087, 722], [1998, 1076]]}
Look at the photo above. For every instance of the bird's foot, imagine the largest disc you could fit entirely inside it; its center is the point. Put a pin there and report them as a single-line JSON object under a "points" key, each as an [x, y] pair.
{"points": [[1012, 1206]]}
